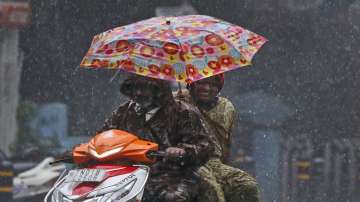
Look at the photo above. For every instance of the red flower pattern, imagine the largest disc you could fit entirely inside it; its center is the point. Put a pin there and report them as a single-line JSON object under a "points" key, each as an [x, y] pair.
{"points": [[226, 60], [254, 40], [95, 63], [127, 65], [197, 51], [214, 40], [171, 48], [191, 70], [168, 70], [154, 69], [210, 50], [122, 45], [214, 65], [147, 51], [189, 51]]}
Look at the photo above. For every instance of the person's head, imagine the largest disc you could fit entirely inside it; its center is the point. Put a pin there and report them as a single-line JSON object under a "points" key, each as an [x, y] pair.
{"points": [[147, 92], [206, 90]]}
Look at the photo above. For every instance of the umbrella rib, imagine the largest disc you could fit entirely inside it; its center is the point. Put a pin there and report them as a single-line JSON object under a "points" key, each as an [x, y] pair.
{"points": [[115, 75], [179, 42]]}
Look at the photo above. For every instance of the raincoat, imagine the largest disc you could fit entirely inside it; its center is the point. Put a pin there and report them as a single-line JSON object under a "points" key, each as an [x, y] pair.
{"points": [[225, 183], [173, 124]]}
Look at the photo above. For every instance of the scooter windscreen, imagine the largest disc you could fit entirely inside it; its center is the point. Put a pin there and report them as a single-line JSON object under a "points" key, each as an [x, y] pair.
{"points": [[114, 145]]}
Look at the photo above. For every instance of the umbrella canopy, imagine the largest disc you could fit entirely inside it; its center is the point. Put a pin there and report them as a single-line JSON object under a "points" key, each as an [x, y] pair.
{"points": [[183, 49]]}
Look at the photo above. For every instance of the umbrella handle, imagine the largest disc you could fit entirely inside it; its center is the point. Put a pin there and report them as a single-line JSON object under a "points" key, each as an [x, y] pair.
{"points": [[180, 94], [179, 90]]}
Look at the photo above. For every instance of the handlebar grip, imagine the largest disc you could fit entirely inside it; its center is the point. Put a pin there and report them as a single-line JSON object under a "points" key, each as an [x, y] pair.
{"points": [[62, 160], [155, 154], [159, 154]]}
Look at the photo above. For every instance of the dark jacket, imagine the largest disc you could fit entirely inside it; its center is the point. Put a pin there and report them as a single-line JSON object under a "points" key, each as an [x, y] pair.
{"points": [[175, 124], [172, 126]]}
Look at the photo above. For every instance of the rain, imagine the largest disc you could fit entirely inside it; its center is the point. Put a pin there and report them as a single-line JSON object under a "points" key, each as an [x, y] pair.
{"points": [[297, 126]]}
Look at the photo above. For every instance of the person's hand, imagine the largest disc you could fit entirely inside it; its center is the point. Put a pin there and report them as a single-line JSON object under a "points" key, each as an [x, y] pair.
{"points": [[174, 152]]}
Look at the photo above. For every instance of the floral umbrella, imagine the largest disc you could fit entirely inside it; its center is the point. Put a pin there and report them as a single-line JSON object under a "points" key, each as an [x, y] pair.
{"points": [[183, 49]]}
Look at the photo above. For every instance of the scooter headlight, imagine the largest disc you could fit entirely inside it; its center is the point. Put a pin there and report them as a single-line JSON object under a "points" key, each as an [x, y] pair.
{"points": [[105, 154]]}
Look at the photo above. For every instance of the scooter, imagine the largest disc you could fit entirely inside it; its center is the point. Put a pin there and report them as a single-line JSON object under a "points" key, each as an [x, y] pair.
{"points": [[116, 169], [36, 181]]}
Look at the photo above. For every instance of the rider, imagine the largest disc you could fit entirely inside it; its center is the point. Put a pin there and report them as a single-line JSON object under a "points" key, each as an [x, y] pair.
{"points": [[219, 115], [153, 114]]}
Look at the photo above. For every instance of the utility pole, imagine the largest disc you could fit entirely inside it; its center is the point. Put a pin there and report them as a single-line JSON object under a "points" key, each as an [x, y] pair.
{"points": [[12, 17]]}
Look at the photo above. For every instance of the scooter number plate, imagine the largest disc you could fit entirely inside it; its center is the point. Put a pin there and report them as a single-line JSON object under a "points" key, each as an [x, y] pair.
{"points": [[86, 175]]}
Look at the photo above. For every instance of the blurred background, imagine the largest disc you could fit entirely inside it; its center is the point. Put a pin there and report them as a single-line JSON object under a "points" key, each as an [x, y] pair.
{"points": [[298, 104]]}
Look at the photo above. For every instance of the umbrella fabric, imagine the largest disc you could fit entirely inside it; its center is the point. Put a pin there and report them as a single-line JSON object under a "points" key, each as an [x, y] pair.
{"points": [[183, 49]]}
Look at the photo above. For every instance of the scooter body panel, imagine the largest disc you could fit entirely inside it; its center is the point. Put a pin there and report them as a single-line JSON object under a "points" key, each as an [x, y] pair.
{"points": [[121, 184]]}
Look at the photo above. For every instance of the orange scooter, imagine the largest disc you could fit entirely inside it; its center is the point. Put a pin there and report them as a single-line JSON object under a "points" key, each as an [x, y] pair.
{"points": [[116, 169]]}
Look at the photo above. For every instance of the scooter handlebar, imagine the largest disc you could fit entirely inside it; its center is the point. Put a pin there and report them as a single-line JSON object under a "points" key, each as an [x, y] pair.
{"points": [[63, 159], [156, 154], [150, 154], [161, 154]]}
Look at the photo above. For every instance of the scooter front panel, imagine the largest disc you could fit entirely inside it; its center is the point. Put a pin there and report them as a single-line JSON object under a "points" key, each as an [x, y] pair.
{"points": [[122, 184]]}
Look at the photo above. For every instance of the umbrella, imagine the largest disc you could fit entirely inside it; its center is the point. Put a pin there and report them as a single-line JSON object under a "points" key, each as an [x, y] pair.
{"points": [[184, 49]]}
